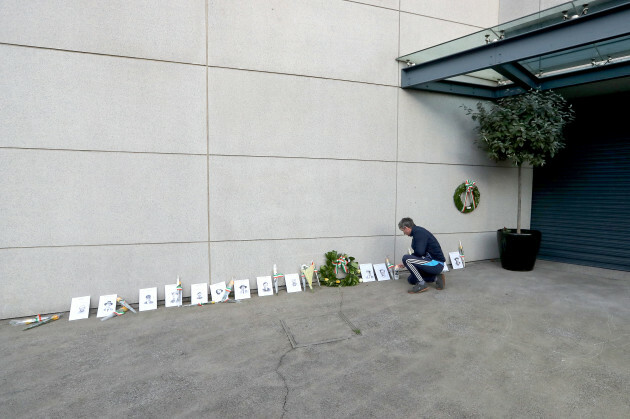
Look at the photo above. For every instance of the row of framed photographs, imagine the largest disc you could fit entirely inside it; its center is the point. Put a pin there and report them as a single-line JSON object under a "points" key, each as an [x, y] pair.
{"points": [[147, 298]]}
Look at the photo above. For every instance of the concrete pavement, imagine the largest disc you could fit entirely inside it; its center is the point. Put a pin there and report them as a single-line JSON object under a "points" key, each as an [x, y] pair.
{"points": [[554, 342]]}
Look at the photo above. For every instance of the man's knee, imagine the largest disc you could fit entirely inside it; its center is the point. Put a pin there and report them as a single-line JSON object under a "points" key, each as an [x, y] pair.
{"points": [[405, 258]]}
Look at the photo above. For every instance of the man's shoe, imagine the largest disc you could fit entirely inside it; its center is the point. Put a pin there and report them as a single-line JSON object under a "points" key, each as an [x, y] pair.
{"points": [[418, 288], [440, 282]]}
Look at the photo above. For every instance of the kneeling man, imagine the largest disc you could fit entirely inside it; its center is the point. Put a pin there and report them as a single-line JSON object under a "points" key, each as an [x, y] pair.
{"points": [[427, 261]]}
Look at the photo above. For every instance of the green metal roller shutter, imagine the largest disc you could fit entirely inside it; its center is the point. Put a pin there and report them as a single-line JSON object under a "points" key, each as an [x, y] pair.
{"points": [[581, 200]]}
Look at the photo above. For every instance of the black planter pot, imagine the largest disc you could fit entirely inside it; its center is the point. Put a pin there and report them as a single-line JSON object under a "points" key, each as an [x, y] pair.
{"points": [[518, 251]]}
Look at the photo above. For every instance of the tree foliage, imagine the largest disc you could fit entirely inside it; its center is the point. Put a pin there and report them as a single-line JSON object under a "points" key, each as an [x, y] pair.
{"points": [[522, 129], [527, 128]]}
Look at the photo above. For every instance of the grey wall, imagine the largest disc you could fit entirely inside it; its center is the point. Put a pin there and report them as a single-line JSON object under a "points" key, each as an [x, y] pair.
{"points": [[209, 139], [514, 9]]}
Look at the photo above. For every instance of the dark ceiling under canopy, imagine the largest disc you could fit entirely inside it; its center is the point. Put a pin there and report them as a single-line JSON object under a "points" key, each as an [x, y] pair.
{"points": [[576, 44]]}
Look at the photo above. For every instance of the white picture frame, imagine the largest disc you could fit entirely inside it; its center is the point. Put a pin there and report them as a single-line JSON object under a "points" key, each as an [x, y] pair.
{"points": [[292, 281], [456, 260], [106, 305], [367, 272], [381, 271], [217, 290], [265, 285], [199, 293], [79, 308], [241, 289], [172, 297], [147, 299]]}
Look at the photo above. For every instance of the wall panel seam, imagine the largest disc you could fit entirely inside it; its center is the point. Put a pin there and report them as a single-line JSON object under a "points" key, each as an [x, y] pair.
{"points": [[265, 239], [223, 241], [101, 245], [309, 76], [61, 246], [372, 5], [102, 54], [395, 221], [443, 20], [157, 60], [79, 150], [397, 161], [412, 13], [207, 28]]}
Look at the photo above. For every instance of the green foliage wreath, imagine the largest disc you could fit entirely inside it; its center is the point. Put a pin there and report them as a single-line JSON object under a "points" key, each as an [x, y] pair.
{"points": [[461, 189], [339, 263]]}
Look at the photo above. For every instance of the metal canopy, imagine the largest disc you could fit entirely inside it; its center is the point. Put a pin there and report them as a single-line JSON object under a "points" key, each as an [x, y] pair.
{"points": [[564, 46]]}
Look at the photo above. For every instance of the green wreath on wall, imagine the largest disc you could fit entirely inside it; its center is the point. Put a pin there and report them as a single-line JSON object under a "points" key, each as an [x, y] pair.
{"points": [[471, 200]]}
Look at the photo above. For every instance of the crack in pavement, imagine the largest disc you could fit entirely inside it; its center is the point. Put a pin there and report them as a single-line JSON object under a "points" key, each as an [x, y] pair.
{"points": [[284, 380], [281, 360]]}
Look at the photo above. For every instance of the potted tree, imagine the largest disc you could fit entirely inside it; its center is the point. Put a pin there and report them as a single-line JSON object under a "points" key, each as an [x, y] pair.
{"points": [[522, 129]]}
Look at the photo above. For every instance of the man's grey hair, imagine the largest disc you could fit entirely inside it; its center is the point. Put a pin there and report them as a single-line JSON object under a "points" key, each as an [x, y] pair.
{"points": [[406, 222]]}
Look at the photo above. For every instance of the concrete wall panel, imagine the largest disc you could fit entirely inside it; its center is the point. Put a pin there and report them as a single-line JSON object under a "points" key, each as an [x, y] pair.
{"points": [[249, 259], [514, 9], [434, 128], [157, 29], [109, 114], [389, 4], [482, 13], [477, 246], [56, 198], [547, 4], [419, 32], [54, 99], [276, 198], [44, 280], [331, 39], [263, 114], [425, 193]]}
